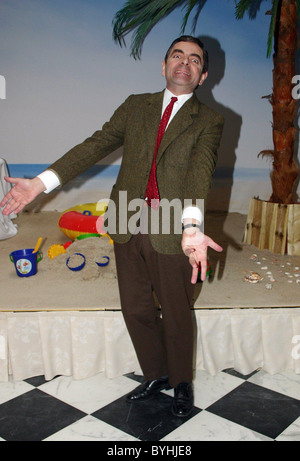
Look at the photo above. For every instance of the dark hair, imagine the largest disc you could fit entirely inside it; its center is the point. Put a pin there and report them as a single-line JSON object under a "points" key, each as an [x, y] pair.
{"points": [[189, 38]]}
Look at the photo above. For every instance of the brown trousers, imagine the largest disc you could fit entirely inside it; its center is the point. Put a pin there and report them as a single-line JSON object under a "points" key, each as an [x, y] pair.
{"points": [[163, 344]]}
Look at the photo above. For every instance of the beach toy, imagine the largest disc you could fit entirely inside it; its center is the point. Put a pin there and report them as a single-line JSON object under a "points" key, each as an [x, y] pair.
{"points": [[25, 261], [58, 249], [208, 273], [55, 250], [67, 244], [104, 261], [38, 244], [76, 262], [82, 220], [85, 236]]}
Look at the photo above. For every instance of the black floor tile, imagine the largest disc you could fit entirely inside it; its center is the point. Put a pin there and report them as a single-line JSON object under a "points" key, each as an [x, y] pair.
{"points": [[37, 380], [148, 420], [233, 372], [34, 416], [138, 378], [257, 408]]}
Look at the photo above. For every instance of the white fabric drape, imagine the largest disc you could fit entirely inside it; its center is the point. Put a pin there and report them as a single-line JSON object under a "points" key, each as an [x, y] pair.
{"points": [[7, 227], [82, 344]]}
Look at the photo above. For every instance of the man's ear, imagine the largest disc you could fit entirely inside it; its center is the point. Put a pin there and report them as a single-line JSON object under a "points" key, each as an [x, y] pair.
{"points": [[203, 77], [163, 67]]}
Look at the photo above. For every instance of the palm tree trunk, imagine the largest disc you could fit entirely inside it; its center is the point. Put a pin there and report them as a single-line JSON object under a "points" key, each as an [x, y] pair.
{"points": [[285, 169]]}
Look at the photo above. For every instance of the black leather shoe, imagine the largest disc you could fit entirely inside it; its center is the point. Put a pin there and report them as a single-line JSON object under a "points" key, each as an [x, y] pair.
{"points": [[183, 400], [148, 389]]}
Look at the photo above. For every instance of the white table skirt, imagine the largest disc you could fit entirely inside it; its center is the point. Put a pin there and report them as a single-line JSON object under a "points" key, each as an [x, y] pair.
{"points": [[82, 344]]}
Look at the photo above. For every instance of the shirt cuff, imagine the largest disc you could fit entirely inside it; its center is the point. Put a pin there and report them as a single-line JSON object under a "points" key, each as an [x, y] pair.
{"points": [[50, 180], [192, 212]]}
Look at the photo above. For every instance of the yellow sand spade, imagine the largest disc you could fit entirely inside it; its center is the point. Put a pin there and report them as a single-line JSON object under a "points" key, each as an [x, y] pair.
{"points": [[38, 244]]}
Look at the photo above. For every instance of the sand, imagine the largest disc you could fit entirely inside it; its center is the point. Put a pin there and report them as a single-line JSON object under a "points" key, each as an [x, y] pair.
{"points": [[56, 287], [93, 249]]}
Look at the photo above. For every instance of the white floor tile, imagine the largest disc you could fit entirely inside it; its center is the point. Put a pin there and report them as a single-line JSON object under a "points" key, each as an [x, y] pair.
{"points": [[90, 429], [291, 434], [12, 389], [287, 383], [90, 394], [208, 389], [208, 427]]}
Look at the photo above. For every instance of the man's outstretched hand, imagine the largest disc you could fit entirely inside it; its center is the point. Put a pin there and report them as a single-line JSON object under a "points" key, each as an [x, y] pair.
{"points": [[21, 194], [194, 245]]}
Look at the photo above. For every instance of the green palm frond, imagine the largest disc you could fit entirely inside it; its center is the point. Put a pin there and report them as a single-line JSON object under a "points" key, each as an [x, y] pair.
{"points": [[272, 27], [189, 7], [140, 16], [252, 7], [241, 7]]}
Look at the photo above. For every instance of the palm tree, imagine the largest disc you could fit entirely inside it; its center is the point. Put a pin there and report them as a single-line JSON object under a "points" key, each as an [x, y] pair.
{"points": [[140, 16], [284, 25]]}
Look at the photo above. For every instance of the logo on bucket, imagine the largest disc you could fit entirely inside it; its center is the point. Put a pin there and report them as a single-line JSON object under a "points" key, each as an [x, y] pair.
{"points": [[24, 266]]}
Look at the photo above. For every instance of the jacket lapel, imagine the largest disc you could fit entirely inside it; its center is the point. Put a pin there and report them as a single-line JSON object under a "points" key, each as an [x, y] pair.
{"points": [[152, 118]]}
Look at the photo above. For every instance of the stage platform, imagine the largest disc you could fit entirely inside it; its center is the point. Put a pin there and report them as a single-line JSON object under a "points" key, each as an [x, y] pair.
{"points": [[69, 323]]}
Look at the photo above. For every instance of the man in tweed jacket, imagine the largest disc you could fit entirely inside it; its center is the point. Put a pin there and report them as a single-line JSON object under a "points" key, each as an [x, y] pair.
{"points": [[164, 263]]}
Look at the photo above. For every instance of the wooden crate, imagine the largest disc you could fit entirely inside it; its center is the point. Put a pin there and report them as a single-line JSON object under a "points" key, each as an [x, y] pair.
{"points": [[273, 226]]}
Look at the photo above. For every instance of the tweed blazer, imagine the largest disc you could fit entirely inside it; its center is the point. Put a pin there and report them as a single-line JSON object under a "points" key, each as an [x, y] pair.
{"points": [[185, 161]]}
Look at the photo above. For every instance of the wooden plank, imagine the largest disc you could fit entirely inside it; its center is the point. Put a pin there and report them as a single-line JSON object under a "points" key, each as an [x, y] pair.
{"points": [[264, 236], [247, 238], [256, 222], [293, 230], [281, 230], [272, 223]]}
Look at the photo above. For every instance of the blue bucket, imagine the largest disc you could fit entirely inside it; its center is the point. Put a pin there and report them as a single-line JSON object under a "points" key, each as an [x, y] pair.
{"points": [[25, 261]]}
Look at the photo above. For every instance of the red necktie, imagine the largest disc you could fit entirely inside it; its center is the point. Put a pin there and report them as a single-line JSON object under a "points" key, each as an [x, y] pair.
{"points": [[152, 194]]}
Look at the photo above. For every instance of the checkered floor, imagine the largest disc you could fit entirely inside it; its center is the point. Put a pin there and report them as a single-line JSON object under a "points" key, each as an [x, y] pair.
{"points": [[228, 407]]}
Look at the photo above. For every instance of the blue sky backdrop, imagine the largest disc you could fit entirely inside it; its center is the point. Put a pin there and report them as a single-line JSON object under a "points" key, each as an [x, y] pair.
{"points": [[65, 75]]}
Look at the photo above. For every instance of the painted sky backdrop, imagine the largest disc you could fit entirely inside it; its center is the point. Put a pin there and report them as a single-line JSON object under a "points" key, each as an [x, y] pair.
{"points": [[65, 75]]}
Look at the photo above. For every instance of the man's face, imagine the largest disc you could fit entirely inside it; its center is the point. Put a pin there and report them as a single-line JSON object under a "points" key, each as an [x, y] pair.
{"points": [[183, 69]]}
